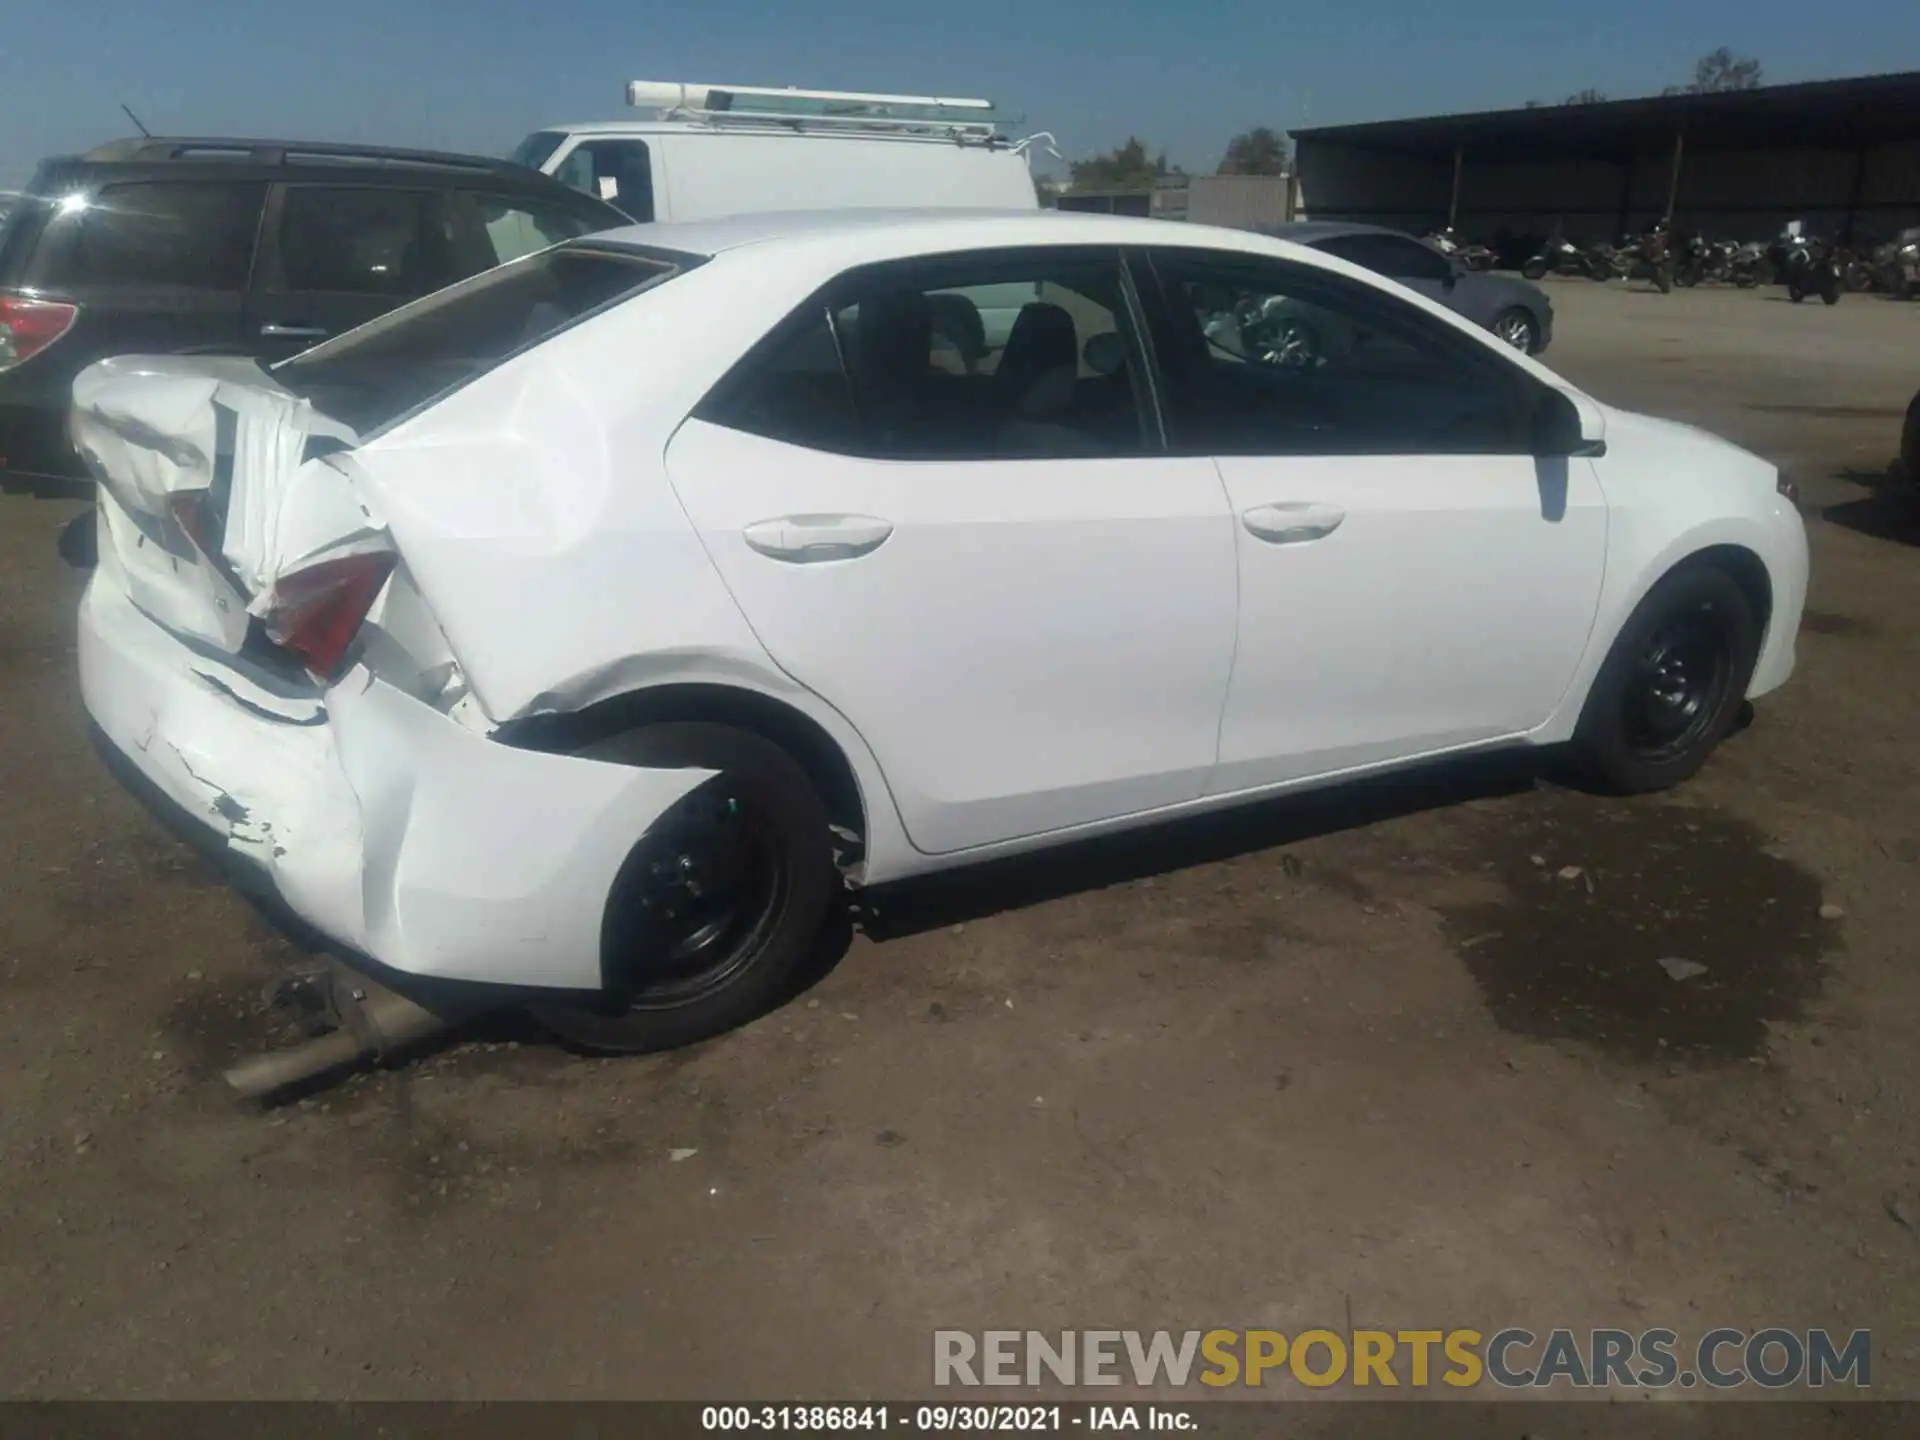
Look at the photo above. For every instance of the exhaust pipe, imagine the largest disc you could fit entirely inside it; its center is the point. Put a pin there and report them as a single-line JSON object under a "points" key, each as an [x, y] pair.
{"points": [[375, 1022]]}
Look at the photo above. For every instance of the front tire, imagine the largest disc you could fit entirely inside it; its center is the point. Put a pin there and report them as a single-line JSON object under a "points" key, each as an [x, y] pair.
{"points": [[1534, 269], [1516, 327], [721, 903], [1672, 684]]}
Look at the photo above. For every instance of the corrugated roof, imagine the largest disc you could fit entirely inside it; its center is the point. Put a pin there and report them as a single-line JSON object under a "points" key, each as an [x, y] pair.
{"points": [[1866, 110]]}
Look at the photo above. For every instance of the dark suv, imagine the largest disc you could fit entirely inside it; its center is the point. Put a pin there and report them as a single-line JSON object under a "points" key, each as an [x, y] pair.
{"points": [[240, 247]]}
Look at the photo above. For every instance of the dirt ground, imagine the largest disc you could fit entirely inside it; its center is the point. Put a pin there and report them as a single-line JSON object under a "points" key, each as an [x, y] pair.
{"points": [[1367, 1059]]}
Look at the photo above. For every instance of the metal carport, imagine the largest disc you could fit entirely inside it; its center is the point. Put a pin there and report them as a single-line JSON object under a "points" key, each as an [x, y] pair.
{"points": [[1843, 155]]}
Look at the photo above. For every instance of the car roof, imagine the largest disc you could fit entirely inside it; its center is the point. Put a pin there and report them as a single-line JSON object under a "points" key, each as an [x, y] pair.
{"points": [[1312, 232], [931, 231], [202, 157]]}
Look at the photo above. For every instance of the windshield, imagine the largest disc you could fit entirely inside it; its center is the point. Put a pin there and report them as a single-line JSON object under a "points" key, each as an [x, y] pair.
{"points": [[536, 148], [390, 367]]}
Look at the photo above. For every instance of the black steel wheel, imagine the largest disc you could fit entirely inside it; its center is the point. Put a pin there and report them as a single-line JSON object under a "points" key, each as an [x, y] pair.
{"points": [[719, 903], [1677, 683], [1672, 684]]}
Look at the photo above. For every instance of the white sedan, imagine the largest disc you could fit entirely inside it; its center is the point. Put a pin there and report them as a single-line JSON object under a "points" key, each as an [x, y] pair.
{"points": [[581, 629]]}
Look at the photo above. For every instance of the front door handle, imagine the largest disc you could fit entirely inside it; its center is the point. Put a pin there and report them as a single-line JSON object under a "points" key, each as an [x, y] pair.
{"points": [[1292, 523], [809, 539], [275, 331]]}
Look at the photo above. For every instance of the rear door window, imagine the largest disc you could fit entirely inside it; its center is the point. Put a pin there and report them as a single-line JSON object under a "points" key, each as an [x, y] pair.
{"points": [[362, 240], [1394, 256], [618, 171], [490, 230], [187, 235], [383, 371]]}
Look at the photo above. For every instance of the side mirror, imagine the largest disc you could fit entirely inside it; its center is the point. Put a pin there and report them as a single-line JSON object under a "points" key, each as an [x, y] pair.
{"points": [[1562, 428]]}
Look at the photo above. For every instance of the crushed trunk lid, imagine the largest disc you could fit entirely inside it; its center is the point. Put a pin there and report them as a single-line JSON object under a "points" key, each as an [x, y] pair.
{"points": [[216, 482]]}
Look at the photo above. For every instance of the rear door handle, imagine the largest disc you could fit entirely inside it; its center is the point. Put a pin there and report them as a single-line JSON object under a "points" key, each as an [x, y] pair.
{"points": [[1291, 522], [274, 331], [810, 539]]}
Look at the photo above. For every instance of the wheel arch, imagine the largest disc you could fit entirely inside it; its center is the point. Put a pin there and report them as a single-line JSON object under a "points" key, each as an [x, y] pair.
{"points": [[1746, 569], [1741, 562], [850, 808]]}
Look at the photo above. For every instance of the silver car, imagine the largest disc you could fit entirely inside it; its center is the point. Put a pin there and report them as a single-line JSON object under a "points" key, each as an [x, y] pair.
{"points": [[1515, 310]]}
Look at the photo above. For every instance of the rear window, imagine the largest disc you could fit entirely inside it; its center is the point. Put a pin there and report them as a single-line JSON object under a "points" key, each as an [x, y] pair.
{"points": [[390, 367], [190, 235]]}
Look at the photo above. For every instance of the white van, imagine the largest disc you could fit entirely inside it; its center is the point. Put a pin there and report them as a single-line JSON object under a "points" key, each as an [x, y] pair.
{"points": [[730, 149]]}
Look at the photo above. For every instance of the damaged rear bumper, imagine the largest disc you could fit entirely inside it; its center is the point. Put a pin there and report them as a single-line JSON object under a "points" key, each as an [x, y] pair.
{"points": [[393, 830]]}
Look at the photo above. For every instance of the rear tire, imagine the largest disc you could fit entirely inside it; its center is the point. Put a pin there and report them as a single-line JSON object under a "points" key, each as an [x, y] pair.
{"points": [[1672, 685], [720, 905]]}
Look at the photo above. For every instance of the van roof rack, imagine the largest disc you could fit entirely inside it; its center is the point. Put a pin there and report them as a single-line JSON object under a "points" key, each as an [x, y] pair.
{"points": [[788, 107]]}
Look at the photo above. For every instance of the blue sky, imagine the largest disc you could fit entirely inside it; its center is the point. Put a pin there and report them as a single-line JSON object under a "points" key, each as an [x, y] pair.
{"points": [[479, 74]]}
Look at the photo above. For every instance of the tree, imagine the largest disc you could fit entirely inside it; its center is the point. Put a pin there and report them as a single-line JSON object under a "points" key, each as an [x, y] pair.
{"points": [[1259, 151], [1124, 168], [1584, 97], [1720, 70]]}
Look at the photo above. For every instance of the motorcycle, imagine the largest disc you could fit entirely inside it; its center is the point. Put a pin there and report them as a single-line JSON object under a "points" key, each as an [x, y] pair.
{"points": [[1856, 269], [1808, 267], [1752, 265], [1897, 265], [1650, 255], [1472, 257], [1560, 256], [1701, 260]]}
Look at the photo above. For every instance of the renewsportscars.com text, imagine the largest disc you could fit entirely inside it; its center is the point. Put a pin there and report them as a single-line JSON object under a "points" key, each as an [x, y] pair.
{"points": [[1513, 1358]]}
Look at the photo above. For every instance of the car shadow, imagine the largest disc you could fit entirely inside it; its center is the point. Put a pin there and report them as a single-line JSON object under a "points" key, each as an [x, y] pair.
{"points": [[911, 907], [898, 910], [1890, 512]]}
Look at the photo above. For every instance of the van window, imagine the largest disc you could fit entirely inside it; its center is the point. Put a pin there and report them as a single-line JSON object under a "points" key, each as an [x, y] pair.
{"points": [[618, 171], [534, 151]]}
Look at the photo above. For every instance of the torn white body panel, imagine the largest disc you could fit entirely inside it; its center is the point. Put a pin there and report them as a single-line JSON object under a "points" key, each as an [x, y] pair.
{"points": [[382, 822], [150, 429]]}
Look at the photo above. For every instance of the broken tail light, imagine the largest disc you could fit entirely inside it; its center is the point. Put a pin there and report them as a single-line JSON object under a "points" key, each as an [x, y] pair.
{"points": [[190, 514], [320, 609], [28, 326]]}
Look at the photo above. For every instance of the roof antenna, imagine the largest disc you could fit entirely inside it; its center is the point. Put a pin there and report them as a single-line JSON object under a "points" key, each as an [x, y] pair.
{"points": [[136, 120]]}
